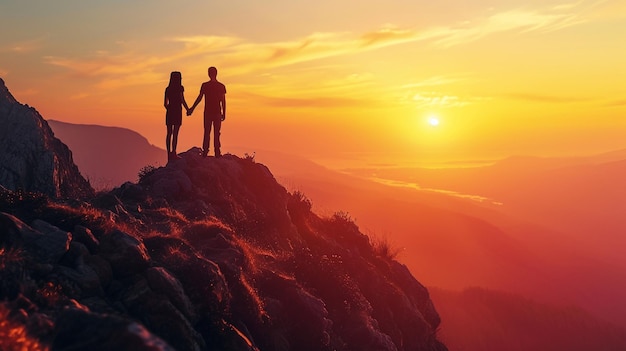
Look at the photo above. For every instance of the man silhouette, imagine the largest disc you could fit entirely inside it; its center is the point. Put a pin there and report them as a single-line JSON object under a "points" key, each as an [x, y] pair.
{"points": [[214, 94]]}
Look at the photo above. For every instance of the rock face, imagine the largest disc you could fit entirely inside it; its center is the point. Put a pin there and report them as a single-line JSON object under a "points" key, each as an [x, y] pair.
{"points": [[31, 158]]}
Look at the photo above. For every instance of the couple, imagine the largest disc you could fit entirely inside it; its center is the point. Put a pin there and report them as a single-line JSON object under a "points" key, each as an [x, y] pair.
{"points": [[214, 94]]}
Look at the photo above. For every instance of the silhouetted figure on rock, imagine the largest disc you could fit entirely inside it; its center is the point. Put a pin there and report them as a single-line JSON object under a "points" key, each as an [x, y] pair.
{"points": [[174, 101], [214, 94]]}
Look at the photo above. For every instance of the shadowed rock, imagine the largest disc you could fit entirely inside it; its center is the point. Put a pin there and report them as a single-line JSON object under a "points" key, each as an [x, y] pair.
{"points": [[31, 158], [82, 330]]}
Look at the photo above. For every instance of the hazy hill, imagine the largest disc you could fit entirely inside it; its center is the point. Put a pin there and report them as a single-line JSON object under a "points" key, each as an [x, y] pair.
{"points": [[108, 156], [582, 198], [483, 320], [566, 213]]}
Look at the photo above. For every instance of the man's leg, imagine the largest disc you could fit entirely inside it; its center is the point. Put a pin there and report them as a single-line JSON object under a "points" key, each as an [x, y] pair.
{"points": [[207, 136], [216, 138]]}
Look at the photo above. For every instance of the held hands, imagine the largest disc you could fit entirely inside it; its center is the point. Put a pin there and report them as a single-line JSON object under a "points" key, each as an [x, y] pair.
{"points": [[189, 111]]}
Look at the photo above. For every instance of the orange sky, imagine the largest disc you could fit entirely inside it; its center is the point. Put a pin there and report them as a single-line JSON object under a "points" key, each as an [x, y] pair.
{"points": [[335, 79]]}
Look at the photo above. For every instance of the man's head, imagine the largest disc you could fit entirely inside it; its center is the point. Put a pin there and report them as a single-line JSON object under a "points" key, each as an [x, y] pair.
{"points": [[212, 72]]}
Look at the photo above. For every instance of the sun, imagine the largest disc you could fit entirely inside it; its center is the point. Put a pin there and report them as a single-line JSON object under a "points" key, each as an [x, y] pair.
{"points": [[433, 120]]}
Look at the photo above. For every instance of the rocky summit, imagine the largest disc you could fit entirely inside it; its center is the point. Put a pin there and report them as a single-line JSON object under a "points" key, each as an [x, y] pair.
{"points": [[31, 158], [202, 254]]}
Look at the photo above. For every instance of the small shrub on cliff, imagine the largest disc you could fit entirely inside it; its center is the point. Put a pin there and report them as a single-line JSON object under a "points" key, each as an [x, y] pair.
{"points": [[344, 221], [300, 201], [383, 248], [249, 157], [145, 171]]}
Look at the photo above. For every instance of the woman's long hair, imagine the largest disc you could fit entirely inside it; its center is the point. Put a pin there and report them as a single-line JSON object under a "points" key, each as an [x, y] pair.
{"points": [[175, 80]]}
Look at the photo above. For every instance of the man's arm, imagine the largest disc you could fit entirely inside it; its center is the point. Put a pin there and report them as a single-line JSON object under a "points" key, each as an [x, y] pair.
{"points": [[198, 99]]}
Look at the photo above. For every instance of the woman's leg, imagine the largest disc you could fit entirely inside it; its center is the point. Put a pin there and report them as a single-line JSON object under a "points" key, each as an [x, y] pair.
{"points": [[175, 138], [168, 138]]}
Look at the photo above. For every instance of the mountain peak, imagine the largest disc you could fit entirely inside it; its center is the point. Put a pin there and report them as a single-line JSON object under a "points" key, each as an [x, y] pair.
{"points": [[5, 95], [31, 158]]}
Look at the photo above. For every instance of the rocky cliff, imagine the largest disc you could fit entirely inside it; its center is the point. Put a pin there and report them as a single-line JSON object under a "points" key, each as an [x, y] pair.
{"points": [[201, 254], [31, 158]]}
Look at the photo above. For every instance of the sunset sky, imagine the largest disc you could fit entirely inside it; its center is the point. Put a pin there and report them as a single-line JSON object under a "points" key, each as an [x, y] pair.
{"points": [[353, 80]]}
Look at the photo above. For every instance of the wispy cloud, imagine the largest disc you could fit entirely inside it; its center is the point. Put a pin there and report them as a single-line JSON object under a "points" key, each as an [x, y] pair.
{"points": [[242, 56], [431, 82], [388, 35], [521, 21], [315, 102], [418, 93], [439, 100], [547, 98], [568, 6], [199, 45], [23, 47], [113, 71]]}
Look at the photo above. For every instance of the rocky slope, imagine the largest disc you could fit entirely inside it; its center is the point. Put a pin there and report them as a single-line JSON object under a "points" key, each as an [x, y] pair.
{"points": [[203, 254], [32, 159]]}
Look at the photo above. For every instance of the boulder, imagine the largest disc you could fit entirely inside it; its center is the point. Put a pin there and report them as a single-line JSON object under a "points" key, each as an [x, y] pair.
{"points": [[163, 282], [86, 237], [45, 241], [126, 254], [78, 329]]}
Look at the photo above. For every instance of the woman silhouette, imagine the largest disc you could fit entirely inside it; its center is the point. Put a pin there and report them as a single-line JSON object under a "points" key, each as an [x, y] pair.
{"points": [[174, 101]]}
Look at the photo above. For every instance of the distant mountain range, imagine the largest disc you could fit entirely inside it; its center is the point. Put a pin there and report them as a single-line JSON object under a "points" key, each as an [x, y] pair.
{"points": [[108, 156]]}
